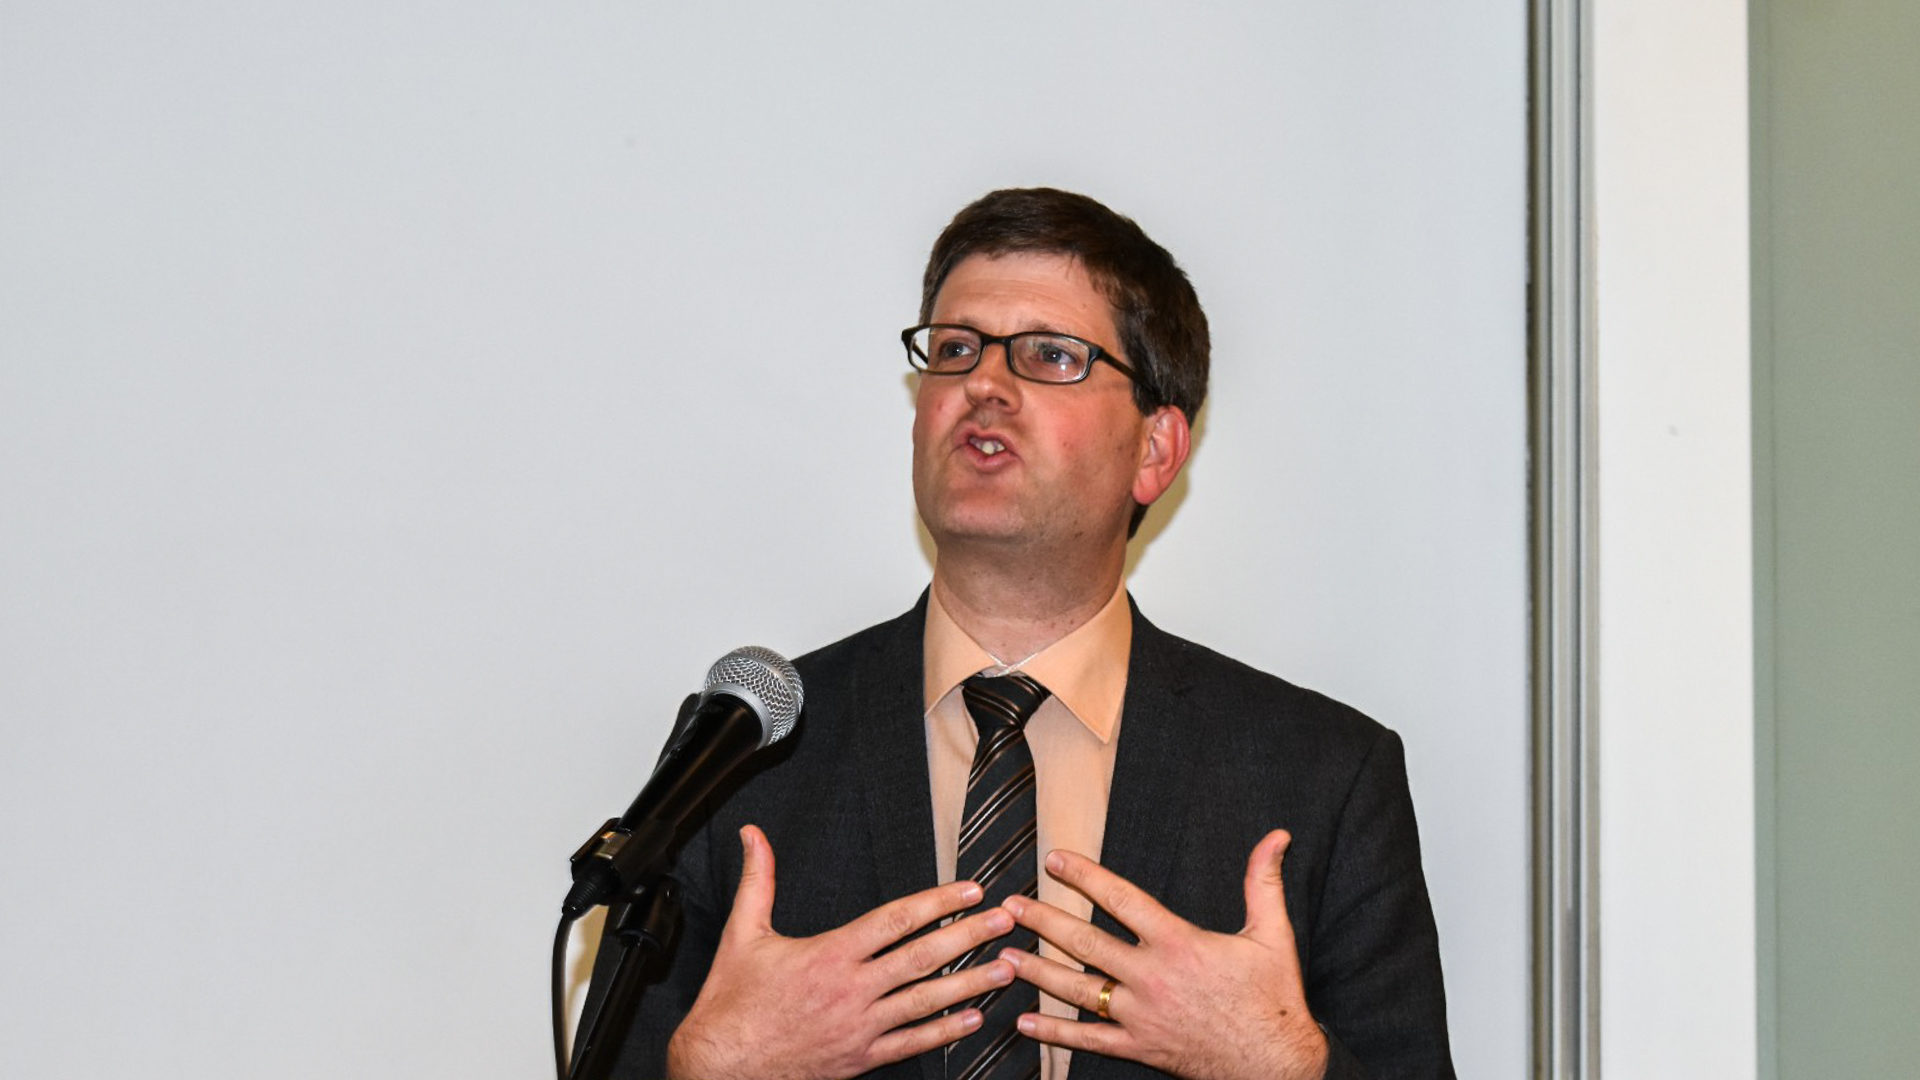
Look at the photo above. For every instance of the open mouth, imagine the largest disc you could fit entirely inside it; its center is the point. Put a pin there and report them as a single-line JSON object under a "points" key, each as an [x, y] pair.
{"points": [[989, 447]]}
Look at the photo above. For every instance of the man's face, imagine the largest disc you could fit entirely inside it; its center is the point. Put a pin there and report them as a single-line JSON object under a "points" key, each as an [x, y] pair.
{"points": [[1001, 459]]}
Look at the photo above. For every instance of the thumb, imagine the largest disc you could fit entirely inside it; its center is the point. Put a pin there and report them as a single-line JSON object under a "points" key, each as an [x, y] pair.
{"points": [[753, 901], [1266, 896]]}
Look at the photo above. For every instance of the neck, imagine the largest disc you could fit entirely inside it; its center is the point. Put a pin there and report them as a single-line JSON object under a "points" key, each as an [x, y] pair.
{"points": [[1014, 611]]}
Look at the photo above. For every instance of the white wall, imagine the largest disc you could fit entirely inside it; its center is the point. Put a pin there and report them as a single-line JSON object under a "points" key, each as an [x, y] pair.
{"points": [[402, 404], [1675, 598]]}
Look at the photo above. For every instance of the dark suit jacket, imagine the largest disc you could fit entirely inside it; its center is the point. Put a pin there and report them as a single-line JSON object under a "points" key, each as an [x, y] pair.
{"points": [[1212, 755]]}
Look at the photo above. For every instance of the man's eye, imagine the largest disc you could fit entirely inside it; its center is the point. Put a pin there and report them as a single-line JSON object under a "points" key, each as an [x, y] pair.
{"points": [[951, 349], [1056, 354]]}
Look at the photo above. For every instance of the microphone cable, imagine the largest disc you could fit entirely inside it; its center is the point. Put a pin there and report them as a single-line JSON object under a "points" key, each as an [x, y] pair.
{"points": [[560, 938]]}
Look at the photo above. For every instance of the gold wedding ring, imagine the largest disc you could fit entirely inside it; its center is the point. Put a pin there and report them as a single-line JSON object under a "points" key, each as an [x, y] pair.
{"points": [[1106, 999]]}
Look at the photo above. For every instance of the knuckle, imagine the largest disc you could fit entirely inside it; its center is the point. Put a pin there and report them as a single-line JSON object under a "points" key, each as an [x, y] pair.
{"points": [[920, 955], [920, 999], [1153, 985], [857, 1060], [898, 922], [1100, 1038]]}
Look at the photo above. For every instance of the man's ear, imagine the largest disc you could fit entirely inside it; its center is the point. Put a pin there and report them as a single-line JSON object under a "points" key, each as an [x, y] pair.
{"points": [[1163, 454]]}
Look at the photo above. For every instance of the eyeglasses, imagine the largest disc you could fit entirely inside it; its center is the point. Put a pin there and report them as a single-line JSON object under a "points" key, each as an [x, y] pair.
{"points": [[1038, 355]]}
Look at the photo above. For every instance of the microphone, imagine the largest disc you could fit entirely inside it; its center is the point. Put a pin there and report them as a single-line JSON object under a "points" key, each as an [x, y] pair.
{"points": [[752, 699]]}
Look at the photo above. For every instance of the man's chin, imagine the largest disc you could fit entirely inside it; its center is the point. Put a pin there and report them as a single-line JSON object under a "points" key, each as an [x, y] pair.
{"points": [[997, 530]]}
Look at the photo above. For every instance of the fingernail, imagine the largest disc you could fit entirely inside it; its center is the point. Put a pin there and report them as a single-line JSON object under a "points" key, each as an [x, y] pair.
{"points": [[970, 1019], [1011, 956], [1015, 904], [970, 892], [1026, 1024], [1001, 975], [1056, 862], [999, 921]]}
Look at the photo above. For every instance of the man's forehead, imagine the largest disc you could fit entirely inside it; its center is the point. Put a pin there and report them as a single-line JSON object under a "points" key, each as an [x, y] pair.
{"points": [[1040, 287]]}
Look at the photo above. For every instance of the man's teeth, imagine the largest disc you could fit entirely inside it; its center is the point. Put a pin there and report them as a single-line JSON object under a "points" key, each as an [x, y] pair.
{"points": [[988, 447]]}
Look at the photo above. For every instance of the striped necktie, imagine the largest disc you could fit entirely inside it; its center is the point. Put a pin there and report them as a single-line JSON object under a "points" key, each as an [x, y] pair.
{"points": [[997, 850]]}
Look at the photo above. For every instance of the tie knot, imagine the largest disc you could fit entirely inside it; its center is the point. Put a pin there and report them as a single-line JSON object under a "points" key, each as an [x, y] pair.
{"points": [[1001, 701]]}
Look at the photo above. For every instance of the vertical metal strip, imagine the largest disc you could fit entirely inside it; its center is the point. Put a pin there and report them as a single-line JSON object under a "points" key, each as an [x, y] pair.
{"points": [[1565, 942]]}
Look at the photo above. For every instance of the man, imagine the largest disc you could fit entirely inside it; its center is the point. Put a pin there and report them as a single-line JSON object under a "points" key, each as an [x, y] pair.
{"points": [[1013, 822]]}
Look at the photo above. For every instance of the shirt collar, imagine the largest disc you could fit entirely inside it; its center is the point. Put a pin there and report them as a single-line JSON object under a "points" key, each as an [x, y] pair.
{"points": [[1086, 670]]}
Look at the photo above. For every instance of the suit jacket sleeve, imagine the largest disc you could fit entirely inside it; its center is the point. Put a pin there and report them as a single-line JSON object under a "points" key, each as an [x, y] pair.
{"points": [[1214, 754], [1374, 972]]}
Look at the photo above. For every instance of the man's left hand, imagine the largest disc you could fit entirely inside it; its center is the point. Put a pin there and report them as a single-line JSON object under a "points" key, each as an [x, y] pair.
{"points": [[1187, 1001]]}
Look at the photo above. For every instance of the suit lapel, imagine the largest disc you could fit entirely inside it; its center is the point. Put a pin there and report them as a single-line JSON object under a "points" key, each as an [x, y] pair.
{"points": [[892, 751], [1150, 769], [892, 747]]}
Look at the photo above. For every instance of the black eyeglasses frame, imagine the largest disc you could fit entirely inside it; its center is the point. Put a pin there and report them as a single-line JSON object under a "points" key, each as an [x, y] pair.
{"points": [[1096, 353]]}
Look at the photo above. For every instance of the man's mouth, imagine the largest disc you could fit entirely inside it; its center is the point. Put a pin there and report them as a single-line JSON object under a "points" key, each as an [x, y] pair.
{"points": [[989, 447]]}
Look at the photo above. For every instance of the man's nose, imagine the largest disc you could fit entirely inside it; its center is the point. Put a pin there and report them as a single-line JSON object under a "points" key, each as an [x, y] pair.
{"points": [[993, 379]]}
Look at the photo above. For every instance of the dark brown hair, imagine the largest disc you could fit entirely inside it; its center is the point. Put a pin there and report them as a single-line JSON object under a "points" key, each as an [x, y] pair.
{"points": [[1163, 332]]}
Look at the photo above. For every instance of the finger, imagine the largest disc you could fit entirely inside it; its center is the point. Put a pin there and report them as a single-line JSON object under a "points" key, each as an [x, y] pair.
{"points": [[920, 1038], [752, 912], [1118, 897], [1113, 1040], [929, 996], [1069, 984], [1266, 894], [896, 919], [1076, 937], [961, 941]]}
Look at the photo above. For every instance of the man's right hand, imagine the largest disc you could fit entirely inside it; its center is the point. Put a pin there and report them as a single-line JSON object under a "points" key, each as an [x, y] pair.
{"points": [[837, 1004]]}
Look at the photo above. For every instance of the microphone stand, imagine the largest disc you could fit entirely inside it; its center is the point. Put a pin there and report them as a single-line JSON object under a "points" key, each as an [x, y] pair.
{"points": [[644, 926]]}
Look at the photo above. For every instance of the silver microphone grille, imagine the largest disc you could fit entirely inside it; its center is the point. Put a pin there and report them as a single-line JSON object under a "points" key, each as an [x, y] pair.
{"points": [[764, 679]]}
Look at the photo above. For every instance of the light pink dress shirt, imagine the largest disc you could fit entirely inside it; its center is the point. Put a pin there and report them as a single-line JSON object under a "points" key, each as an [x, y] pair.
{"points": [[1072, 737]]}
